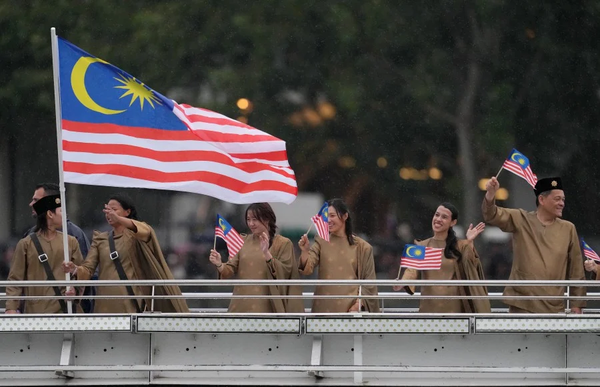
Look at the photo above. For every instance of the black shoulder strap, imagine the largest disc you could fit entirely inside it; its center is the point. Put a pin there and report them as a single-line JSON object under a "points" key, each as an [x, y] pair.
{"points": [[44, 261], [114, 256]]}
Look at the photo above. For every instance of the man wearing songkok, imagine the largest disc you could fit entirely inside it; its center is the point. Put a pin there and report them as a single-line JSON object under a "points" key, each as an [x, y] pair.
{"points": [[545, 247], [39, 257]]}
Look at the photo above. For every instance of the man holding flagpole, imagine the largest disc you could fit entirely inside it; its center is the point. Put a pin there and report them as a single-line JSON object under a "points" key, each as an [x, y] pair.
{"points": [[545, 247]]}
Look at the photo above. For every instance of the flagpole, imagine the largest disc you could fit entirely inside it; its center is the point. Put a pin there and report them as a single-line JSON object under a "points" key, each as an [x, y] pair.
{"points": [[58, 111], [498, 174], [310, 228], [215, 243]]}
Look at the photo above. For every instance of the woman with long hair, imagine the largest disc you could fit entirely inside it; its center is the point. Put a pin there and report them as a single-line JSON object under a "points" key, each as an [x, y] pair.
{"points": [[344, 257], [130, 251], [264, 255], [39, 257], [460, 261]]}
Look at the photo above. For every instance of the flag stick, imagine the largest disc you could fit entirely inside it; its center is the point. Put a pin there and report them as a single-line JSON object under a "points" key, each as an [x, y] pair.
{"points": [[61, 173], [310, 228], [498, 174], [215, 243]]}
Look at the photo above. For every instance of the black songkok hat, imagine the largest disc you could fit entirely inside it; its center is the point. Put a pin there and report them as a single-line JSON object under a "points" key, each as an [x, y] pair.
{"points": [[46, 203], [547, 184]]}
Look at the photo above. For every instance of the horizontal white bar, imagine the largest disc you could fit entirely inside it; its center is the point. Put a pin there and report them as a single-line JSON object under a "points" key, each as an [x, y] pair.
{"points": [[387, 325], [302, 368], [63, 323], [537, 325], [223, 324]]}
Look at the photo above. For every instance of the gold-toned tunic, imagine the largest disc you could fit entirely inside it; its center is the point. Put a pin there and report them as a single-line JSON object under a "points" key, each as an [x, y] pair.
{"points": [[249, 263], [26, 266], [140, 257], [540, 253], [468, 266], [337, 259]]}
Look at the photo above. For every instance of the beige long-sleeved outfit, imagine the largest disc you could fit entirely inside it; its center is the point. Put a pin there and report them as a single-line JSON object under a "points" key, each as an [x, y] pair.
{"points": [[337, 259], [141, 258], [540, 253], [468, 267], [249, 263], [27, 267]]}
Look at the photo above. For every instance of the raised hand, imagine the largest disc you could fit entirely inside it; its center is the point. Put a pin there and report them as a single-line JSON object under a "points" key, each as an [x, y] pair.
{"points": [[491, 187], [304, 243], [215, 258], [473, 232], [264, 245], [590, 265], [111, 215]]}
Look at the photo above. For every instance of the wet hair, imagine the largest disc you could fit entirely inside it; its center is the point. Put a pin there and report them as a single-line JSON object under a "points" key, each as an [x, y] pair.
{"points": [[127, 204], [265, 214], [544, 194], [49, 188], [451, 249], [342, 209], [42, 221]]}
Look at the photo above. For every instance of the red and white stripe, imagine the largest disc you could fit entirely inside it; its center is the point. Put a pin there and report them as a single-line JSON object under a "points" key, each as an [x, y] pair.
{"points": [[321, 226], [526, 173], [591, 254], [432, 260], [233, 240], [217, 156]]}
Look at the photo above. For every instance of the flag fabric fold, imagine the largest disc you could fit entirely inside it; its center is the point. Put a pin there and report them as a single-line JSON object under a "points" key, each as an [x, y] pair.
{"points": [[421, 257], [119, 132], [588, 252], [232, 238], [518, 164], [321, 222]]}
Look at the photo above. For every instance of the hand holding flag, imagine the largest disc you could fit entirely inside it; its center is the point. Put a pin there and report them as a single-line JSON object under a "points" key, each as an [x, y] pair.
{"points": [[518, 164], [231, 237], [421, 257], [589, 252]]}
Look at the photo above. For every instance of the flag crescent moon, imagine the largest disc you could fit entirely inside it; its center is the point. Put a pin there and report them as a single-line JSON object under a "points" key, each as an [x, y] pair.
{"points": [[408, 251], [514, 155], [78, 85]]}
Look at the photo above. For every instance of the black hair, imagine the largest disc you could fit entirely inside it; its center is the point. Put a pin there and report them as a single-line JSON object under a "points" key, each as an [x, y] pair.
{"points": [[264, 213], [342, 209], [49, 188], [451, 250], [537, 200], [127, 204], [42, 221]]}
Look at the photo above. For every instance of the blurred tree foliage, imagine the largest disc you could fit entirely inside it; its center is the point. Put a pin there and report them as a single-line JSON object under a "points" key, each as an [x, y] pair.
{"points": [[358, 89]]}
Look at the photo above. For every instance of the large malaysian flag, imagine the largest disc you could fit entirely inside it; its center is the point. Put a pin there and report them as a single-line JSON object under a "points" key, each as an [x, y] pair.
{"points": [[116, 131]]}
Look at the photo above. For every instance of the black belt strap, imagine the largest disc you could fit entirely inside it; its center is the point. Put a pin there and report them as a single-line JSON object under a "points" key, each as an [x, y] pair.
{"points": [[44, 260], [114, 256]]}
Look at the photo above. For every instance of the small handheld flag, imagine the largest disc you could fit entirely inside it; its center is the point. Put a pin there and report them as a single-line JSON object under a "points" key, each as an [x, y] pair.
{"points": [[321, 222], [518, 164], [231, 237], [589, 252], [421, 257]]}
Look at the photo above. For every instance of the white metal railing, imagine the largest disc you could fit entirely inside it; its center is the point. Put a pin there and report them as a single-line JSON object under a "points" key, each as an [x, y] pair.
{"points": [[383, 296]]}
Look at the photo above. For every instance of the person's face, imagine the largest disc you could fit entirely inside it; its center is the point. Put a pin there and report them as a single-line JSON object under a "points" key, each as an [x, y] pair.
{"points": [[442, 220], [336, 223], [55, 218], [118, 209], [255, 225], [37, 195], [554, 203]]}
